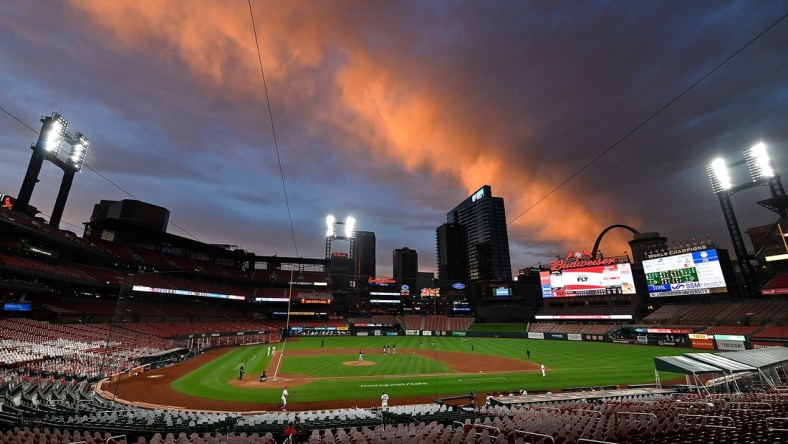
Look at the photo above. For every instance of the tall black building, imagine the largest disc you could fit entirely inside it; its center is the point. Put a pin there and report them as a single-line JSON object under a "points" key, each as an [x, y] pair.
{"points": [[406, 267], [480, 221], [450, 240], [364, 256]]}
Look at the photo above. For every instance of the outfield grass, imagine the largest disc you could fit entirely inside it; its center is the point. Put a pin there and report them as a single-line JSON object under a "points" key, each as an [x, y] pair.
{"points": [[569, 363]]}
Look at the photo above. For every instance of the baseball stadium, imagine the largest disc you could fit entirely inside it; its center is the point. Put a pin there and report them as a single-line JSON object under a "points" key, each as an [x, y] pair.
{"points": [[128, 333], [155, 338]]}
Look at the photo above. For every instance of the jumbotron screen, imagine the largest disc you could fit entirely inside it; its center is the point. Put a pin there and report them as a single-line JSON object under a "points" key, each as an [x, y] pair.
{"points": [[588, 281], [698, 272]]}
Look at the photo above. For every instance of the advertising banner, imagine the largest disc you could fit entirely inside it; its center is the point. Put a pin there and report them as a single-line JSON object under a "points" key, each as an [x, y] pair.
{"points": [[458, 333], [699, 336], [642, 339], [411, 332], [730, 345], [588, 337], [764, 344], [426, 333], [535, 335], [574, 337], [705, 344], [557, 336]]}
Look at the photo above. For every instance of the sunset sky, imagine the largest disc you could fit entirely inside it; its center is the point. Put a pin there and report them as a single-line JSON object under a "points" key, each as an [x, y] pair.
{"points": [[396, 111]]}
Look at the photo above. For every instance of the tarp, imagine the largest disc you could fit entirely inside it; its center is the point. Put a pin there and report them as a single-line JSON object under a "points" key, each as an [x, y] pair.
{"points": [[683, 364], [724, 363], [759, 357]]}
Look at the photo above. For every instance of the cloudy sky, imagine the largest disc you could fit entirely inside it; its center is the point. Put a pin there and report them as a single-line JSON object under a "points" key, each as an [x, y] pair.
{"points": [[394, 112]]}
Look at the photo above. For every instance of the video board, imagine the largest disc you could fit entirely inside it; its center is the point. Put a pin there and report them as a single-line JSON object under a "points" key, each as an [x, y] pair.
{"points": [[588, 281], [697, 272], [502, 292], [16, 306]]}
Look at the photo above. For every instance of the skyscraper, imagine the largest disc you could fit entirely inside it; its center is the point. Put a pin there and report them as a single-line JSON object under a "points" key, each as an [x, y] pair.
{"points": [[364, 256], [480, 221], [450, 241], [406, 267]]}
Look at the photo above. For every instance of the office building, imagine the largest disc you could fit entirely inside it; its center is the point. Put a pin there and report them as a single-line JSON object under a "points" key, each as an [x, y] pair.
{"points": [[406, 267], [475, 239]]}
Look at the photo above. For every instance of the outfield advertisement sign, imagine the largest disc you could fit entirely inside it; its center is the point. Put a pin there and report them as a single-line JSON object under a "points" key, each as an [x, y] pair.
{"points": [[701, 341], [764, 344], [600, 338], [411, 332], [574, 337], [557, 336], [535, 335], [730, 345], [704, 344]]}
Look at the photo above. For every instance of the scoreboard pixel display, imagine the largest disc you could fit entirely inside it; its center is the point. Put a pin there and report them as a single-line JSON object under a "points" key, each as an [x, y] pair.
{"points": [[588, 281], [698, 272]]}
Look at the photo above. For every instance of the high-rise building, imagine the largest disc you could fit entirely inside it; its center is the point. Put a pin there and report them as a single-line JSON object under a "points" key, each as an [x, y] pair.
{"points": [[450, 240], [364, 256], [480, 221], [406, 267]]}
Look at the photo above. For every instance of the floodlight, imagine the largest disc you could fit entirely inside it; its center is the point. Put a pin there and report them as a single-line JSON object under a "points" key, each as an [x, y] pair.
{"points": [[758, 162], [331, 224], [78, 151], [53, 132], [718, 175], [350, 226]]}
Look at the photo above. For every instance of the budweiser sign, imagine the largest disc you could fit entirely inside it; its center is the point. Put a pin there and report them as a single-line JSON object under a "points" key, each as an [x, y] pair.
{"points": [[578, 259]]}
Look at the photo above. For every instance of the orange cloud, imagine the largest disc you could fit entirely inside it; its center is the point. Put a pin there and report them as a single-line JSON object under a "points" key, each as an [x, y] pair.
{"points": [[373, 101], [418, 131]]}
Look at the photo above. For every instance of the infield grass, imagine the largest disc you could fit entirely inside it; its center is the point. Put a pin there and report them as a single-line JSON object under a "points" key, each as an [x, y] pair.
{"points": [[569, 363]]}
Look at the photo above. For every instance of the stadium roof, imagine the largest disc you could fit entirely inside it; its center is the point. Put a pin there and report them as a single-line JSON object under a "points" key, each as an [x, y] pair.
{"points": [[759, 357], [683, 364], [721, 362]]}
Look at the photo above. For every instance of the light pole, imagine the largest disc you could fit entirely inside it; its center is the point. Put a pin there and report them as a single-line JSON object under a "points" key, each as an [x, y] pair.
{"points": [[762, 174], [53, 134]]}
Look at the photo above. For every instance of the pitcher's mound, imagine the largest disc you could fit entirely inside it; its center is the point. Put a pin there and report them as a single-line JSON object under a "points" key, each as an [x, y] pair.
{"points": [[359, 364]]}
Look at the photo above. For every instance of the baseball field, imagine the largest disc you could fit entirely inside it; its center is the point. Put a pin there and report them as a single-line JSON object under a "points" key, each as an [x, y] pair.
{"points": [[325, 372]]}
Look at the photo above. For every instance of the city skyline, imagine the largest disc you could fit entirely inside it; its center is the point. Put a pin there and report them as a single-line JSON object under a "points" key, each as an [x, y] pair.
{"points": [[392, 113]]}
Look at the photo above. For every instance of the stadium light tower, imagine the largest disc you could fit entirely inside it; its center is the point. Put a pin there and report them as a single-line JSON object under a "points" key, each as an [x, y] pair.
{"points": [[53, 134], [762, 174], [348, 234]]}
